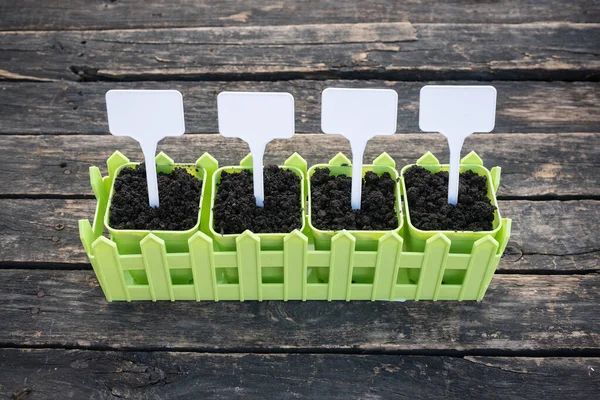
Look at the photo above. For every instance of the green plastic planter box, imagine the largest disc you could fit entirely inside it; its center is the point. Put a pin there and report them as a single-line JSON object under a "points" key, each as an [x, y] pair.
{"points": [[399, 272]]}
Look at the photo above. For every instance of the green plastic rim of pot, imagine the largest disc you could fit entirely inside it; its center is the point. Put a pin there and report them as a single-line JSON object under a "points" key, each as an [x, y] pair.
{"points": [[268, 241], [365, 240], [462, 241], [128, 240]]}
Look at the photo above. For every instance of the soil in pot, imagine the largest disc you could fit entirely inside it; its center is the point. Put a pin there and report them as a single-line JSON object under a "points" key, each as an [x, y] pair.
{"points": [[235, 208], [179, 193], [427, 195], [331, 208]]}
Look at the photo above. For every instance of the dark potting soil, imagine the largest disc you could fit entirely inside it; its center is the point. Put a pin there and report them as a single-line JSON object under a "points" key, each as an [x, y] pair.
{"points": [[427, 195], [332, 210], [179, 194], [235, 208]]}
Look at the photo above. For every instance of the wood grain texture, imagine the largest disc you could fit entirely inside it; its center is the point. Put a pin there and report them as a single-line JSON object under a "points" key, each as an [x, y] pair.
{"points": [[77, 14], [51, 308], [57, 374], [393, 50], [546, 235], [533, 165], [79, 108]]}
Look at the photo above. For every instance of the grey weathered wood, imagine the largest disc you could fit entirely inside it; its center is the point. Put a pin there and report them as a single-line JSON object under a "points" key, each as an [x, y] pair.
{"points": [[58, 374], [547, 235], [51, 308], [395, 51], [73, 14], [533, 165], [558, 234], [69, 108]]}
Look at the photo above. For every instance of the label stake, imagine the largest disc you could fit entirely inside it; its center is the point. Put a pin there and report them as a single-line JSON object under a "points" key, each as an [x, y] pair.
{"points": [[256, 118], [147, 116], [359, 115], [456, 112]]}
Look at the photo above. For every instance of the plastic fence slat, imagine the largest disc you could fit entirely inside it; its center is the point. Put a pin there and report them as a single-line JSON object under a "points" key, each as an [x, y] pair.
{"points": [[107, 256], [203, 267], [385, 159], [296, 160], [482, 255], [114, 162], [159, 279], [101, 193], [502, 238], [386, 270], [340, 266], [487, 279], [86, 235], [249, 268], [495, 174], [97, 267], [210, 165], [432, 269], [504, 234], [294, 266]]}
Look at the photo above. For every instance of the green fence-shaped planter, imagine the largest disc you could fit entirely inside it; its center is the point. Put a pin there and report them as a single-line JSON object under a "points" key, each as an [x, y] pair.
{"points": [[399, 272]]}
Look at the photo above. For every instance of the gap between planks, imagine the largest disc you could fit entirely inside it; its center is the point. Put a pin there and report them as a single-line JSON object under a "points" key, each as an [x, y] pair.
{"points": [[480, 352]]}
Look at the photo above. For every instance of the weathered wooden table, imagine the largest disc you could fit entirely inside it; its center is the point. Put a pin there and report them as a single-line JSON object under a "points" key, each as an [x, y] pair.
{"points": [[537, 332]]}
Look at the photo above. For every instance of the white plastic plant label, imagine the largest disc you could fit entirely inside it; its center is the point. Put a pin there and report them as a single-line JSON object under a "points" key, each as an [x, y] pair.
{"points": [[146, 116], [256, 118], [456, 112], [359, 115]]}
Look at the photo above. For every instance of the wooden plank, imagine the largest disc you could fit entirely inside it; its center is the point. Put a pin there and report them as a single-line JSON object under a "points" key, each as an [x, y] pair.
{"points": [[79, 108], [70, 14], [542, 313], [58, 374], [546, 235], [389, 50], [533, 165]]}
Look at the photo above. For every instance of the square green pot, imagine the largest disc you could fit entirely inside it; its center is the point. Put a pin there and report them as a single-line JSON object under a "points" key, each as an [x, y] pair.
{"points": [[365, 240], [462, 241], [340, 164], [128, 240], [268, 241]]}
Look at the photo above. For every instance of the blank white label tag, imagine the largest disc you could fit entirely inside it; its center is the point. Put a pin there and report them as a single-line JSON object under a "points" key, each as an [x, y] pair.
{"points": [[146, 116], [256, 118], [359, 115], [456, 112]]}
